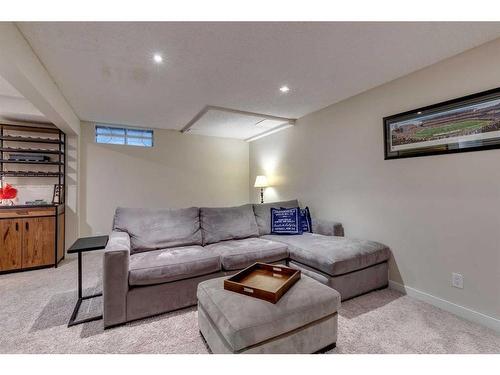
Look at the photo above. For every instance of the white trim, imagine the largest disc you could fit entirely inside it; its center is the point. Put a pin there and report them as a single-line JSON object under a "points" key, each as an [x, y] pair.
{"points": [[269, 132], [461, 311], [237, 111], [287, 122]]}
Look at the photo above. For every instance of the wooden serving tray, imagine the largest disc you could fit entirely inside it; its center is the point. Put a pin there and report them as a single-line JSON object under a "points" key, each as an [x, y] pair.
{"points": [[264, 281]]}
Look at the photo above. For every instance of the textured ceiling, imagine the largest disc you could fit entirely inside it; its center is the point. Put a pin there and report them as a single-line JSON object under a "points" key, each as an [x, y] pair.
{"points": [[231, 124], [105, 70]]}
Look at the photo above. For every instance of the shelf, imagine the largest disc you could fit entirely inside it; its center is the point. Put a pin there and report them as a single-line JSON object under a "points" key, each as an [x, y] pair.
{"points": [[28, 128], [31, 162], [30, 174], [31, 151], [11, 138]]}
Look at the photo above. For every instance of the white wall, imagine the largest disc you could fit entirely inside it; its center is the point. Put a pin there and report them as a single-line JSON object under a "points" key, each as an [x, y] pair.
{"points": [[439, 214], [71, 211], [181, 170]]}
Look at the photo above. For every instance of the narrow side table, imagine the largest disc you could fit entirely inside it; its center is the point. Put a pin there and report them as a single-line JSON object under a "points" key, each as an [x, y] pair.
{"points": [[80, 246]]}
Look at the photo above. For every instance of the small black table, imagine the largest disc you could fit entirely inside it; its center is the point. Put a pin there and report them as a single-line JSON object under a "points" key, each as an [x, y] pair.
{"points": [[81, 245]]}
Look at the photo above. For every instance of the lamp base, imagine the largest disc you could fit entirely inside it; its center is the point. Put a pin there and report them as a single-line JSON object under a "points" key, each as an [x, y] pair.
{"points": [[261, 195]]}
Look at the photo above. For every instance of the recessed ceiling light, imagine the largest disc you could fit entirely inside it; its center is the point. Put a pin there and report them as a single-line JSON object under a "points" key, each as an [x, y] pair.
{"points": [[284, 89], [157, 58]]}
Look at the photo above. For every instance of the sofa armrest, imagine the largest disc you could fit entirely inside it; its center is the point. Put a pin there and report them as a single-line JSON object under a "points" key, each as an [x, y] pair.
{"points": [[327, 228], [115, 278]]}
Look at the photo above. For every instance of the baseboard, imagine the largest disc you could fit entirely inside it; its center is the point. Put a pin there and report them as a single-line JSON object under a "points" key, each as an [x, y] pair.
{"points": [[461, 311]]}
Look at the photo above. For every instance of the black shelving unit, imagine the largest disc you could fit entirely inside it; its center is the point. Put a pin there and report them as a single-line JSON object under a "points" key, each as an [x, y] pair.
{"points": [[50, 142], [44, 135], [29, 174], [29, 139], [29, 150], [30, 162]]}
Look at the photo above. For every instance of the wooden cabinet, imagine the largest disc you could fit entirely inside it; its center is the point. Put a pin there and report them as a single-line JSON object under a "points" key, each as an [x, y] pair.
{"points": [[10, 245], [31, 238]]}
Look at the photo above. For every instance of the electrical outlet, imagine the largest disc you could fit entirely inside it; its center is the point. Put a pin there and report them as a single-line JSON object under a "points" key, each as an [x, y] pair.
{"points": [[457, 280]]}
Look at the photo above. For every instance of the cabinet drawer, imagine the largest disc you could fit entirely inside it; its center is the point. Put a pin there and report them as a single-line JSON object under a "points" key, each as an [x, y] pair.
{"points": [[8, 213]]}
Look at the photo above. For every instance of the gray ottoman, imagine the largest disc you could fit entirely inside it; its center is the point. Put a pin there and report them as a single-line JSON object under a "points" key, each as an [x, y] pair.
{"points": [[303, 321]]}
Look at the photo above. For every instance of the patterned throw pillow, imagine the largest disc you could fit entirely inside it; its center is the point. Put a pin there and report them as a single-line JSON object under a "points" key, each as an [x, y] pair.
{"points": [[305, 219], [286, 221]]}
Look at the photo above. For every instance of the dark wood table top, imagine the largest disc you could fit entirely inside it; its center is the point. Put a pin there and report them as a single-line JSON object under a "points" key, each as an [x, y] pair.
{"points": [[28, 206], [88, 244]]}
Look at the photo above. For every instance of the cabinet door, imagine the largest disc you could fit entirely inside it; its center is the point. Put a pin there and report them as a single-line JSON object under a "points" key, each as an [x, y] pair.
{"points": [[38, 241], [10, 244]]}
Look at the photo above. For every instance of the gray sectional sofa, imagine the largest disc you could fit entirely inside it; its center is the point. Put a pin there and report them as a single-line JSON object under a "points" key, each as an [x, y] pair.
{"points": [[155, 258]]}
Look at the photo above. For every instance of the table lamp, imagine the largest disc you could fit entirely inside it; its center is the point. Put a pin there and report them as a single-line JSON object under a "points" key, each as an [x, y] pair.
{"points": [[261, 182]]}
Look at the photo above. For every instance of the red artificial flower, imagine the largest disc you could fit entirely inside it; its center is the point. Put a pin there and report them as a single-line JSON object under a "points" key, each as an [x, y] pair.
{"points": [[8, 192]]}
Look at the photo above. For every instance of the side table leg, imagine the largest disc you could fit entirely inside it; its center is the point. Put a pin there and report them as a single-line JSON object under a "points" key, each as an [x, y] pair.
{"points": [[80, 275], [72, 321]]}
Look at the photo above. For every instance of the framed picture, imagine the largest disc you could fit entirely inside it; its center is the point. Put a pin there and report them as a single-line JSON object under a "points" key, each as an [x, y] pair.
{"points": [[471, 123], [57, 194]]}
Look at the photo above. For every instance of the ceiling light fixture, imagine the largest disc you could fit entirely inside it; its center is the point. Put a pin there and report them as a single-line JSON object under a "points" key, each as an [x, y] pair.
{"points": [[157, 58], [284, 89]]}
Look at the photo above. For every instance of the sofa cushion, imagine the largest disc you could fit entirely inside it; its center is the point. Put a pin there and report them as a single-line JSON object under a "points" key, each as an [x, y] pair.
{"points": [[238, 254], [166, 265], [244, 321], [333, 255], [263, 214], [227, 223], [152, 229]]}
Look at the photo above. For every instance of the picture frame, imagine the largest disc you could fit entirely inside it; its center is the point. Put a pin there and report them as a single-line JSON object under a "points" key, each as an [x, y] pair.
{"points": [[57, 194], [469, 123]]}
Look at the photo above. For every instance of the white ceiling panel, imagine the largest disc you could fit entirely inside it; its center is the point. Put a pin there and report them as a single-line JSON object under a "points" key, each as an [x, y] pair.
{"points": [[107, 73], [220, 123], [266, 124]]}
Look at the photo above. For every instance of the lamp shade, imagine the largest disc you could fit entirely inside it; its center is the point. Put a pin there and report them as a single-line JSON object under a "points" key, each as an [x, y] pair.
{"points": [[261, 182]]}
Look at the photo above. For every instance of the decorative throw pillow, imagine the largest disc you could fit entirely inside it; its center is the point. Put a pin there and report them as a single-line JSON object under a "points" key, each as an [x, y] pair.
{"points": [[305, 219], [286, 221]]}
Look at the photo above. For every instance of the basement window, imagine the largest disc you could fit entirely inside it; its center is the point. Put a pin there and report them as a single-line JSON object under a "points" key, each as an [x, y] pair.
{"points": [[114, 135]]}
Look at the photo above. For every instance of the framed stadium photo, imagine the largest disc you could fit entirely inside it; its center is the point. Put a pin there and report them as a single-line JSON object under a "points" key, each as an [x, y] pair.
{"points": [[471, 123]]}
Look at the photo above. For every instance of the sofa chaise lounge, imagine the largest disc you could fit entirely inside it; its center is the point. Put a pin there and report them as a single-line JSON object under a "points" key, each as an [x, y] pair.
{"points": [[155, 258]]}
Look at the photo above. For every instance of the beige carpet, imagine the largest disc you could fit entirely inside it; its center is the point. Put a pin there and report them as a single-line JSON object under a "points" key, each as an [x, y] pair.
{"points": [[35, 307]]}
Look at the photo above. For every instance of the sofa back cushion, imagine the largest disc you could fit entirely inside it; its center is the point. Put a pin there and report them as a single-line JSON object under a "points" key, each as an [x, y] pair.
{"points": [[152, 229], [227, 223], [263, 214]]}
